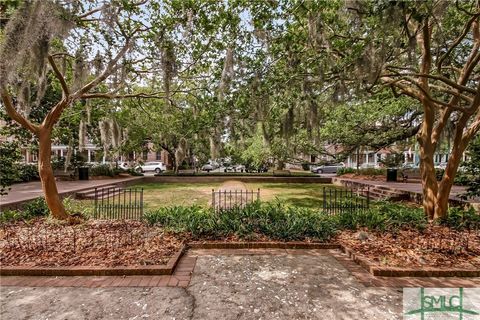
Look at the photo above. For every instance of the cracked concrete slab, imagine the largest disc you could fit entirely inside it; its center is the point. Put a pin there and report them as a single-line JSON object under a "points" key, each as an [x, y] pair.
{"points": [[287, 286]]}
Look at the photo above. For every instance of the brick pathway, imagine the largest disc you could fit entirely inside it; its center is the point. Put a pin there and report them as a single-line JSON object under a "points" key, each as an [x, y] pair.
{"points": [[185, 270]]}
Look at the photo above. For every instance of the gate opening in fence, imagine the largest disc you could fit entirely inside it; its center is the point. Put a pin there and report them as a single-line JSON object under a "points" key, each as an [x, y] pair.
{"points": [[226, 199], [118, 203], [344, 201]]}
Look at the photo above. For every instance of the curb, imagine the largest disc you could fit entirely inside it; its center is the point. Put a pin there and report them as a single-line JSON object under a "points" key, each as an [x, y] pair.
{"points": [[405, 272]]}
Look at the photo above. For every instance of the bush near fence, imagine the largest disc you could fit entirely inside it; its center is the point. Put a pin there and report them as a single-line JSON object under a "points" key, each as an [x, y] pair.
{"points": [[279, 221]]}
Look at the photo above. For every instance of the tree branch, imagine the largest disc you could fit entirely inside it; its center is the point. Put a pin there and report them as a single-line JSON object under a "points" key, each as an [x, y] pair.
{"points": [[456, 42], [111, 67], [59, 76], [107, 95], [15, 115]]}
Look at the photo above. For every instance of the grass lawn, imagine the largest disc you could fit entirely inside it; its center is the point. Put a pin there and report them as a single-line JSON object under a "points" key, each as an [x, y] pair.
{"points": [[157, 195]]}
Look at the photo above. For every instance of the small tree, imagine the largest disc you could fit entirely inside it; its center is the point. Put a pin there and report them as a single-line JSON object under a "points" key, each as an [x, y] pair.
{"points": [[32, 47]]}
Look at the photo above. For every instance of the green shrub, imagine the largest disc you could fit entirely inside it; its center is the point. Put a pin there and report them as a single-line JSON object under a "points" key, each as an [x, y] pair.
{"points": [[10, 215], [372, 172], [58, 163], [459, 218], [9, 167], [341, 171], [383, 216], [102, 170], [28, 172], [73, 206], [35, 208], [274, 220]]}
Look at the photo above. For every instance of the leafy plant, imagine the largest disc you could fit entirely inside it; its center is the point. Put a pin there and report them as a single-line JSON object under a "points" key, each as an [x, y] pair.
{"points": [[383, 216], [73, 206], [10, 215], [393, 160], [345, 170], [102, 170], [459, 218], [35, 208], [9, 173], [28, 172], [274, 220], [470, 174]]}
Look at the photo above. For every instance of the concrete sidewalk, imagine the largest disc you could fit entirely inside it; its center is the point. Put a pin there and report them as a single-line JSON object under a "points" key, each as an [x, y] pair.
{"points": [[22, 192]]}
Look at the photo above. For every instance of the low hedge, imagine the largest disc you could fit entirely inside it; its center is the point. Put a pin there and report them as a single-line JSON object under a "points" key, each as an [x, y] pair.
{"points": [[276, 220]]}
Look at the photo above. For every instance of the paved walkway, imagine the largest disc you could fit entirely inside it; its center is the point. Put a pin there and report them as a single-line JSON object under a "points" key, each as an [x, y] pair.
{"points": [[222, 284], [30, 190]]}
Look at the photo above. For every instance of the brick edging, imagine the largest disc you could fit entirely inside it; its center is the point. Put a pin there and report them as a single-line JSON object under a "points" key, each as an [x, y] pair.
{"points": [[405, 272], [96, 271], [261, 245]]}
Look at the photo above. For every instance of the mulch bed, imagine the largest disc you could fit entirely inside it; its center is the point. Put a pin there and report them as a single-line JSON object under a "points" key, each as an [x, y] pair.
{"points": [[93, 243], [436, 246], [42, 243]]}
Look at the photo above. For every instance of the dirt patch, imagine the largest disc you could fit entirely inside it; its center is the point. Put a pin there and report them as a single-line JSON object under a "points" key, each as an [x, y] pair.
{"points": [[232, 185], [94, 243], [436, 246]]}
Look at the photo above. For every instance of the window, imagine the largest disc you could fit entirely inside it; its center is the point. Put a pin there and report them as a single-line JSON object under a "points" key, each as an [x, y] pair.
{"points": [[158, 155], [145, 155]]}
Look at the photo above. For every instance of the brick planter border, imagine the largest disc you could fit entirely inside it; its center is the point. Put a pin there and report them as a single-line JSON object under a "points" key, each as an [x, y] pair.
{"points": [[169, 268], [96, 271], [261, 245], [406, 272]]}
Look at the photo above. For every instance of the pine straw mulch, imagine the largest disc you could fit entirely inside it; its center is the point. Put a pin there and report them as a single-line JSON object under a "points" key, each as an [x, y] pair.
{"points": [[436, 246], [92, 243]]}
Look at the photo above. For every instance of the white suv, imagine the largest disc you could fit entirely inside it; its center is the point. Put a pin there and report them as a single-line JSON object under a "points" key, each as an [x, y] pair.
{"points": [[158, 167]]}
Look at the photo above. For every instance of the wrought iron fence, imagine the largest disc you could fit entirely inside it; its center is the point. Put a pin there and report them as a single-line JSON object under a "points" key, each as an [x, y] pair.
{"points": [[118, 203], [344, 201], [226, 199]]}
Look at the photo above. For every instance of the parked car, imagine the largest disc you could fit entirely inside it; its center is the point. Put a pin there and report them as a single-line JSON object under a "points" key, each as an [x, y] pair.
{"points": [[123, 165], [240, 168], [207, 167], [327, 168], [158, 167]]}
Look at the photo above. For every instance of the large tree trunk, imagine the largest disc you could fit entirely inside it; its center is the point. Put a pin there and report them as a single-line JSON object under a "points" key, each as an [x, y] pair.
{"points": [[427, 167], [429, 183], [459, 145], [45, 171]]}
